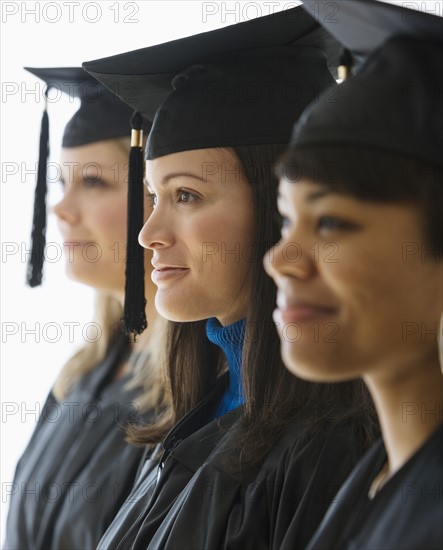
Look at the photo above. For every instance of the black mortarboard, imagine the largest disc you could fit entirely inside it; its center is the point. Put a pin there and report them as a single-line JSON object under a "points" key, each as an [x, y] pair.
{"points": [[241, 85], [395, 100], [92, 121], [363, 25]]}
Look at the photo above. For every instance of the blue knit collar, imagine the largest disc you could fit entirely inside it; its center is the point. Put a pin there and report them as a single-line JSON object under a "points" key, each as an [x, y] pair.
{"points": [[230, 339]]}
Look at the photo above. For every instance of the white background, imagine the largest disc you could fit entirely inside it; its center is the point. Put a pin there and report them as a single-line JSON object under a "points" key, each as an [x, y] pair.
{"points": [[35, 339]]}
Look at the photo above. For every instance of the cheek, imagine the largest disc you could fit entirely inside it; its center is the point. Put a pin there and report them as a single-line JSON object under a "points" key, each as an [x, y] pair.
{"points": [[223, 247], [110, 218], [377, 295]]}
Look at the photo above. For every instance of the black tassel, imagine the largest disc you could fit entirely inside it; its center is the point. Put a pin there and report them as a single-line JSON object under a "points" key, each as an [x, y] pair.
{"points": [[38, 236], [345, 64], [134, 316]]}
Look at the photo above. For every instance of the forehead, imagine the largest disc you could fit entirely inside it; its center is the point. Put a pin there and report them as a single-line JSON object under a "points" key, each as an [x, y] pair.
{"points": [[303, 188], [100, 152], [206, 164]]}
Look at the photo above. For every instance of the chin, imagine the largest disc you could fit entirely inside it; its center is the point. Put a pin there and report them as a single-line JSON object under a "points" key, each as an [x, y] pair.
{"points": [[168, 311], [178, 316], [313, 368], [78, 276], [94, 280], [171, 310]]}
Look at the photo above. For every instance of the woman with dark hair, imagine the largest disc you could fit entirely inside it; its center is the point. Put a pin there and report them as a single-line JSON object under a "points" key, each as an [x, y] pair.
{"points": [[78, 468], [252, 457], [366, 174]]}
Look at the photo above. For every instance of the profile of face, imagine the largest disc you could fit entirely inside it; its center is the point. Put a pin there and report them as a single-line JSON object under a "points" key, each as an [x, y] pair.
{"points": [[201, 233], [92, 213], [356, 290]]}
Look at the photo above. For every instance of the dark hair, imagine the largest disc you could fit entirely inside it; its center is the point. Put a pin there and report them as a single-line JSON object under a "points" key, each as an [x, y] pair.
{"points": [[274, 397], [373, 175]]}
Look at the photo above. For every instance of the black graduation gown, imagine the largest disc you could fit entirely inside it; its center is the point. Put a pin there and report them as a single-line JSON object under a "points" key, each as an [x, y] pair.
{"points": [[77, 469], [406, 514], [195, 502]]}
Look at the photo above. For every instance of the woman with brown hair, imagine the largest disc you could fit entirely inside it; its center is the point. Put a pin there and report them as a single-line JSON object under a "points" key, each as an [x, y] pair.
{"points": [[252, 457]]}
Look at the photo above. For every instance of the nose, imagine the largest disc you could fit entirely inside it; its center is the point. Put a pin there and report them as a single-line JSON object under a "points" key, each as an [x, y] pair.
{"points": [[67, 209], [156, 234], [289, 258]]}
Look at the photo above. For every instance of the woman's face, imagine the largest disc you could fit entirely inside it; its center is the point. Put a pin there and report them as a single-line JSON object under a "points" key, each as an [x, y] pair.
{"points": [[200, 233], [357, 287], [92, 213]]}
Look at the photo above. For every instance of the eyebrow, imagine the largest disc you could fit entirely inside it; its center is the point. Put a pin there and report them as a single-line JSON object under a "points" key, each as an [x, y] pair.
{"points": [[315, 195], [166, 179]]}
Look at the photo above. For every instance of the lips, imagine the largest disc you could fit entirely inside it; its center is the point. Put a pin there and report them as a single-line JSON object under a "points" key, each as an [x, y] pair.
{"points": [[300, 311], [163, 272], [77, 242], [163, 267]]}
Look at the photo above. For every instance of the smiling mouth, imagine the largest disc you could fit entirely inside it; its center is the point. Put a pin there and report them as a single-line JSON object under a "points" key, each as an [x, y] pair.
{"points": [[302, 313]]}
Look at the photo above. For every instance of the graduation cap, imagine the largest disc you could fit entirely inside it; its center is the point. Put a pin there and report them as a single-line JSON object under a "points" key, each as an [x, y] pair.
{"points": [[394, 101], [101, 116], [241, 85], [362, 26]]}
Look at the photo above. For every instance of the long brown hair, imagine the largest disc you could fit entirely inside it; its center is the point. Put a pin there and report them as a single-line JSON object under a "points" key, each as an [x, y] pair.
{"points": [[273, 396]]}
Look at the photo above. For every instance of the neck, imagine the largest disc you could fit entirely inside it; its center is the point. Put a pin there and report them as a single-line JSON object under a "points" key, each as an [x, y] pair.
{"points": [[409, 407]]}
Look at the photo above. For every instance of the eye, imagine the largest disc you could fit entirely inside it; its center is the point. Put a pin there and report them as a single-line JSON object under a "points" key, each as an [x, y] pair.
{"points": [[283, 222], [152, 199], [184, 196], [93, 183], [331, 223]]}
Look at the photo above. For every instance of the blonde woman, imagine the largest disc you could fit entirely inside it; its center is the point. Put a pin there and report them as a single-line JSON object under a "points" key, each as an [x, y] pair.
{"points": [[78, 468]]}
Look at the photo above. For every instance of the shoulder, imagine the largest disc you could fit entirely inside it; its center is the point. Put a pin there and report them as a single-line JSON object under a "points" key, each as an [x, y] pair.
{"points": [[326, 440]]}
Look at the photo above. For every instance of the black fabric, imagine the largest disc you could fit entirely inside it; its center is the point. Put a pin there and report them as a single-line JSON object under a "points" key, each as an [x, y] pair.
{"points": [[364, 25], [406, 513], [134, 309], [143, 78], [34, 273], [250, 98], [196, 501], [240, 85], [394, 103], [101, 115], [77, 464], [166, 486]]}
